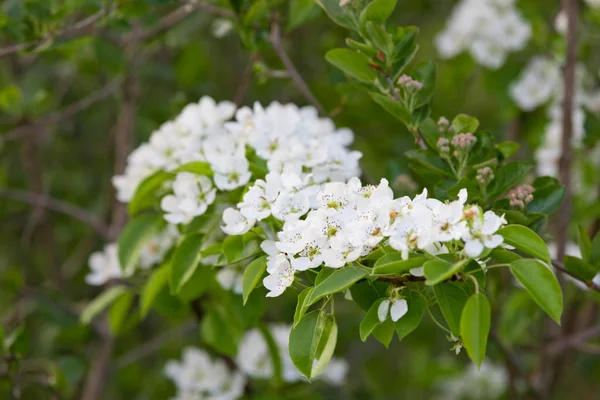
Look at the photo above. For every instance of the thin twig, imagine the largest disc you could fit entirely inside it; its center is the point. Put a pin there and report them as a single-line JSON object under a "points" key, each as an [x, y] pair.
{"points": [[573, 341], [82, 28], [56, 205], [275, 39], [63, 114], [569, 7], [559, 266]]}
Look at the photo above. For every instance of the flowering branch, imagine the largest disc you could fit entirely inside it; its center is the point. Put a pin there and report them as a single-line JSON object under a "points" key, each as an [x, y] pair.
{"points": [[275, 38]]}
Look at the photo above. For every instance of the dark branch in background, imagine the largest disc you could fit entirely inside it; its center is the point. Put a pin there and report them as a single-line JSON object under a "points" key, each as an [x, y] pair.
{"points": [[82, 28], [275, 39], [62, 115], [564, 217], [59, 206], [561, 268]]}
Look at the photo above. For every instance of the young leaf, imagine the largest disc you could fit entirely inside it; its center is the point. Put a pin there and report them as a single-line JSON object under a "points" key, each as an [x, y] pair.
{"points": [[371, 320], [233, 247], [119, 311], [323, 274], [580, 268], [304, 341], [196, 167], [393, 107], [340, 280], [508, 149], [426, 74], [525, 240], [542, 285], [146, 192], [464, 123], [394, 264], [338, 14], [302, 304], [411, 320], [352, 63], [377, 11], [437, 271], [384, 332], [152, 288], [301, 11], [100, 303], [134, 236], [325, 347], [451, 299], [186, 258], [254, 271], [585, 244], [475, 324]]}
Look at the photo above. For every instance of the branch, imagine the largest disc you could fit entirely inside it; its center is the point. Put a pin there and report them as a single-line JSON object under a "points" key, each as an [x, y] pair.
{"points": [[570, 9], [56, 205], [79, 29], [64, 114], [559, 266], [275, 39], [576, 340]]}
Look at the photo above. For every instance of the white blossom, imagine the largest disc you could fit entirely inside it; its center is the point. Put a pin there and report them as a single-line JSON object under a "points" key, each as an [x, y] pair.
{"points": [[235, 222], [192, 194], [392, 307], [104, 266]]}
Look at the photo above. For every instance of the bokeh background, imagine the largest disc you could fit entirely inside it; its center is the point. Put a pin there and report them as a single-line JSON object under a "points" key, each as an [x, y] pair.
{"points": [[73, 107]]}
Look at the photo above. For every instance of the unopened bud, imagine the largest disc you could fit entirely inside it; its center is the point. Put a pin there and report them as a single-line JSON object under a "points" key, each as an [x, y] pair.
{"points": [[485, 175], [463, 140]]}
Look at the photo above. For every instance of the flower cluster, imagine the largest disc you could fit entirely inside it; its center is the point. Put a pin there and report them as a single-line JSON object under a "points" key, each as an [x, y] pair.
{"points": [[288, 139], [541, 83], [254, 358], [521, 196], [348, 220], [197, 376], [487, 29], [104, 265]]}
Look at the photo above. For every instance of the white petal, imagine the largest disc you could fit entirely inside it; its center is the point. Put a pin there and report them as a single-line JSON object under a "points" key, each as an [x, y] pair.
{"points": [[398, 309], [473, 248], [383, 310]]}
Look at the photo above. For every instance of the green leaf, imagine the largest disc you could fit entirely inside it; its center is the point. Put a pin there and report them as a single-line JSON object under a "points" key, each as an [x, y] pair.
{"points": [[437, 270], [417, 304], [525, 240], [380, 38], [393, 107], [451, 299], [255, 12], [134, 236], [304, 341], [393, 264], [233, 247], [365, 293], [254, 271], [431, 161], [185, 260], [302, 304], [508, 149], [238, 248], [361, 47], [301, 11], [338, 14], [340, 280], [157, 281], [377, 11], [371, 320], [542, 285], [384, 332], [426, 74], [119, 311], [475, 324], [585, 244], [100, 303], [147, 191], [326, 346], [504, 256], [546, 200], [580, 268], [595, 255], [197, 284], [352, 63], [195, 167], [464, 123], [507, 176], [323, 274]]}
